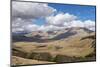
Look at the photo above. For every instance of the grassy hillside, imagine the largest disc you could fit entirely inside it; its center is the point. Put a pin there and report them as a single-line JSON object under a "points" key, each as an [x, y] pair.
{"points": [[73, 49]]}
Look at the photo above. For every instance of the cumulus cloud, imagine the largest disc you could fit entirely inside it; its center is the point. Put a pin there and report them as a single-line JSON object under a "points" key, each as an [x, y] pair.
{"points": [[68, 20], [76, 23], [89, 24], [60, 19], [30, 28], [19, 24], [24, 15], [50, 28], [31, 10]]}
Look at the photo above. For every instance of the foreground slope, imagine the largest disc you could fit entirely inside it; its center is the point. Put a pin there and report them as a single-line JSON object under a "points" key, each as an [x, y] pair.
{"points": [[77, 47]]}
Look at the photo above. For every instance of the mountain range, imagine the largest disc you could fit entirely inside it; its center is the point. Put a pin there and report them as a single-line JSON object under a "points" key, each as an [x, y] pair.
{"points": [[41, 36], [68, 45]]}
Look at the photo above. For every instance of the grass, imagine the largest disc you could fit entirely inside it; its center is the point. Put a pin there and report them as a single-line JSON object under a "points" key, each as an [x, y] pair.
{"points": [[75, 48], [22, 61], [60, 50]]}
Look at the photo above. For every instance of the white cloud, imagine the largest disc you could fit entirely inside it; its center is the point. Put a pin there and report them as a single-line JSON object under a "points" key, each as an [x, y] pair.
{"points": [[17, 22], [89, 24], [50, 28], [31, 10], [20, 24], [31, 27], [17, 29], [24, 15], [68, 20], [60, 19], [76, 23]]}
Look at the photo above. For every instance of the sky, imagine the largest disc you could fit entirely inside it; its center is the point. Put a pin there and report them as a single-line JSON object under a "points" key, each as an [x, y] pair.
{"points": [[29, 16], [83, 12]]}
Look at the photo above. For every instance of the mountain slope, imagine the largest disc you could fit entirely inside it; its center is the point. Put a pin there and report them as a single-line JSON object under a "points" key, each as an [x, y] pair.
{"points": [[63, 47]]}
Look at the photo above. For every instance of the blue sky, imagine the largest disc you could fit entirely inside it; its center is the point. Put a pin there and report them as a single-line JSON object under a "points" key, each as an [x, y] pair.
{"points": [[82, 12]]}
